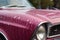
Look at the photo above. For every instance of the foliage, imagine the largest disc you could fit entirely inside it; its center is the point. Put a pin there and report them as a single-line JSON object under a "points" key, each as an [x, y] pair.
{"points": [[42, 3]]}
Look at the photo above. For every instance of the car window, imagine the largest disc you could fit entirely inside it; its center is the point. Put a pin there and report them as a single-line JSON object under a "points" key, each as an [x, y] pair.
{"points": [[3, 2], [15, 3]]}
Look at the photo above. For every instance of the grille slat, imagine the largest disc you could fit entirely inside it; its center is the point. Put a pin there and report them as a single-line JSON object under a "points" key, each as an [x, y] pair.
{"points": [[54, 30]]}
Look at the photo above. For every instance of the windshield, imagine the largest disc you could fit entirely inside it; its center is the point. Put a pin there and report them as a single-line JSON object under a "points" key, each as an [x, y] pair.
{"points": [[15, 3]]}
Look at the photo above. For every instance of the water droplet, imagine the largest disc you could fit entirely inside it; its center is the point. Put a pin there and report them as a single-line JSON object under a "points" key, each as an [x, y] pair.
{"points": [[30, 22], [27, 20], [18, 17], [15, 16]]}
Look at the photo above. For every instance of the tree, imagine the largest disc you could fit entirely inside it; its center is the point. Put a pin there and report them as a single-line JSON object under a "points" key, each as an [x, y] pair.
{"points": [[58, 4], [42, 3]]}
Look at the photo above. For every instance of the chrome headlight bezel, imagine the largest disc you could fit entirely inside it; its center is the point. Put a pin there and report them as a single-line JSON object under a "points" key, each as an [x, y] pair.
{"points": [[41, 33], [35, 32]]}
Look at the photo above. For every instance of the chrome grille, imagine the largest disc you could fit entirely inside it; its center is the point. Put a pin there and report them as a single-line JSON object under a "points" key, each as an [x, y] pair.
{"points": [[54, 30]]}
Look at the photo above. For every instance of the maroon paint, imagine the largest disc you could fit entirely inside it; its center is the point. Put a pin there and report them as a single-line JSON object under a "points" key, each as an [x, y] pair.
{"points": [[19, 24]]}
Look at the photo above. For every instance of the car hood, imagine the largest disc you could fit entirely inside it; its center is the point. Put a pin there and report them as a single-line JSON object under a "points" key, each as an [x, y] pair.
{"points": [[28, 18], [52, 16], [20, 18]]}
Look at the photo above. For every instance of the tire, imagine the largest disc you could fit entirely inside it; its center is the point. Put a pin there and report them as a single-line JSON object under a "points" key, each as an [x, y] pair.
{"points": [[2, 37]]}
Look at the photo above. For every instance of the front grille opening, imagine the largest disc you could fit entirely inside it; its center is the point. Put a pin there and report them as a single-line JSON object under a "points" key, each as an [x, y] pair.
{"points": [[54, 30], [2, 37]]}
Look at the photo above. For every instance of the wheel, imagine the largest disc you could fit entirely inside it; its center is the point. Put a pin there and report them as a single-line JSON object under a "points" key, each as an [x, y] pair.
{"points": [[2, 37]]}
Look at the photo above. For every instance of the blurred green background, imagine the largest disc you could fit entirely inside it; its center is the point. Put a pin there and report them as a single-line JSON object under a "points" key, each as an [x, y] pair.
{"points": [[46, 3], [43, 4]]}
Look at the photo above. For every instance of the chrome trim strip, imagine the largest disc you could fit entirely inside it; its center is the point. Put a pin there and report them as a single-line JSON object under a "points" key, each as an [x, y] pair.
{"points": [[48, 29], [42, 23], [53, 36]]}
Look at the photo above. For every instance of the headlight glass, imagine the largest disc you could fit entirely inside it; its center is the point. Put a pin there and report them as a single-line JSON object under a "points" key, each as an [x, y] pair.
{"points": [[40, 34]]}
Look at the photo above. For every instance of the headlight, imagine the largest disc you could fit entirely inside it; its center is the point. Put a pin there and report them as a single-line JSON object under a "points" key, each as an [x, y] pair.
{"points": [[40, 34]]}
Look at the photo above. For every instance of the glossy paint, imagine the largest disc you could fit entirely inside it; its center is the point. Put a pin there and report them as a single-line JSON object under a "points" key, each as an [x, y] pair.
{"points": [[49, 15], [20, 24]]}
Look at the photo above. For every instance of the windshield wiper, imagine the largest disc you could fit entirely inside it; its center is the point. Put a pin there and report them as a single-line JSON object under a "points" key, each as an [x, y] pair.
{"points": [[15, 6]]}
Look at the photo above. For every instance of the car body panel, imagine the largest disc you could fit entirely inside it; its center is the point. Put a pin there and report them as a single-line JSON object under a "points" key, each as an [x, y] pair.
{"points": [[19, 24], [49, 15]]}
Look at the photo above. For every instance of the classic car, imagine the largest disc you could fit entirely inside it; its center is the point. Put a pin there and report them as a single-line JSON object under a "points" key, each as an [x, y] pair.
{"points": [[24, 22]]}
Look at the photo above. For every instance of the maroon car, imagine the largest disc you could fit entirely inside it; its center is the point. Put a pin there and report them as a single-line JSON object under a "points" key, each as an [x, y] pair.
{"points": [[21, 21]]}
